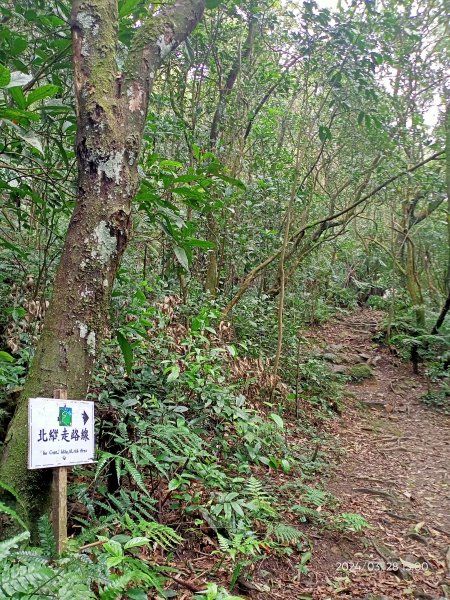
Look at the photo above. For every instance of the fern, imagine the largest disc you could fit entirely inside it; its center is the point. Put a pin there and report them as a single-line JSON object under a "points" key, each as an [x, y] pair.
{"points": [[260, 501], [224, 543], [285, 534], [19, 580], [125, 501], [8, 510], [46, 537], [351, 522], [240, 543], [159, 534], [8, 545], [306, 513], [255, 489], [314, 496], [4, 508], [66, 585]]}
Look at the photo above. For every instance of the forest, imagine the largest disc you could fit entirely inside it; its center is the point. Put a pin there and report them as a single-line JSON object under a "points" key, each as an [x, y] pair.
{"points": [[225, 225]]}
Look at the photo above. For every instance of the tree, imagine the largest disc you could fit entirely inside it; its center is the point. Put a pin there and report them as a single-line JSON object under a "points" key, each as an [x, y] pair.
{"points": [[111, 110]]}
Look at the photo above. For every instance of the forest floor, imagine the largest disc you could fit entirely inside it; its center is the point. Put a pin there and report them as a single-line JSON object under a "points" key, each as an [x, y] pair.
{"points": [[389, 459]]}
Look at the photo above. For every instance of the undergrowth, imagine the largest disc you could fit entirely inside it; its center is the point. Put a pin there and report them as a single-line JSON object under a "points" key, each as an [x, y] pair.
{"points": [[188, 445]]}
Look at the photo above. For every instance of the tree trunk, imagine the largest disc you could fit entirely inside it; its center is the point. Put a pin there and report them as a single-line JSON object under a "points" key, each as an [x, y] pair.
{"points": [[111, 113], [212, 271]]}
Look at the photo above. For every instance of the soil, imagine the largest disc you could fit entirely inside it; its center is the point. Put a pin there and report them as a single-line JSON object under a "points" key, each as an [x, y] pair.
{"points": [[391, 458], [395, 471]]}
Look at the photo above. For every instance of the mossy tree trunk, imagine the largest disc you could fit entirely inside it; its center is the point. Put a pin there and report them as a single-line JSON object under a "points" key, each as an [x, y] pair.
{"points": [[111, 108]]}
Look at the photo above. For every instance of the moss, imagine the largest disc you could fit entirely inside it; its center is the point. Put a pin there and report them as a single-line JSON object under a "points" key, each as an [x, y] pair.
{"points": [[360, 372]]}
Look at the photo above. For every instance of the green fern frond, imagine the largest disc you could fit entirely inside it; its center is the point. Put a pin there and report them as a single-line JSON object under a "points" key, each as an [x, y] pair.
{"points": [[103, 459], [306, 513], [224, 543], [11, 491], [46, 536], [131, 469], [160, 534], [7, 510], [17, 581], [285, 534], [8, 545], [26, 556], [255, 489], [314, 496]]}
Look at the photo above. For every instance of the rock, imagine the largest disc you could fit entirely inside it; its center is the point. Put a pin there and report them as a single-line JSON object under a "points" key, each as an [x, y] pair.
{"points": [[352, 359], [330, 357], [423, 595], [360, 372], [374, 361], [336, 347], [364, 356], [339, 369]]}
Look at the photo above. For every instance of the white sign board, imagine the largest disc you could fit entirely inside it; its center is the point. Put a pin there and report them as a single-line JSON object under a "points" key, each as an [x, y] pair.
{"points": [[61, 433]]}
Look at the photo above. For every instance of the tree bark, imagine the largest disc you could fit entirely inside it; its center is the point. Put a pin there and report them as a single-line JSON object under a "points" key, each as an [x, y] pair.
{"points": [[111, 109]]}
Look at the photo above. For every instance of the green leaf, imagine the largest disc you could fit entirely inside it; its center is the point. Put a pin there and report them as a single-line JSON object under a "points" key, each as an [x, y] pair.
{"points": [[127, 7], [7, 510], [232, 350], [277, 420], [18, 115], [175, 484], [18, 97], [285, 465], [210, 4], [113, 561], [324, 133], [127, 351], [136, 541], [306, 557], [6, 356], [113, 548], [5, 76], [237, 509], [19, 45], [231, 180], [174, 374], [170, 164], [7, 545], [13, 248], [181, 255], [45, 91], [137, 594], [31, 139], [200, 244], [189, 50]]}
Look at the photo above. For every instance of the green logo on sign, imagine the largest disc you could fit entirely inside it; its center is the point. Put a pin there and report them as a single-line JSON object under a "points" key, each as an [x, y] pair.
{"points": [[65, 416]]}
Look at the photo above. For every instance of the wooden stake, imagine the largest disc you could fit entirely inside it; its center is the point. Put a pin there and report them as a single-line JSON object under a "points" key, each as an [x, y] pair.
{"points": [[59, 495]]}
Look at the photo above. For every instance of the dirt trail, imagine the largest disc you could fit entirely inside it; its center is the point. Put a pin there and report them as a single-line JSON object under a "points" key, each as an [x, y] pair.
{"points": [[395, 471]]}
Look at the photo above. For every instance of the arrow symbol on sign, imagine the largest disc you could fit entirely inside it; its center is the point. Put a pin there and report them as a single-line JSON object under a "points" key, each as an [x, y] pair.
{"points": [[85, 417]]}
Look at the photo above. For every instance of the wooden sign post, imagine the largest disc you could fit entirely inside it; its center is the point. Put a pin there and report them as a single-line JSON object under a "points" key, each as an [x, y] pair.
{"points": [[60, 434], [59, 495]]}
